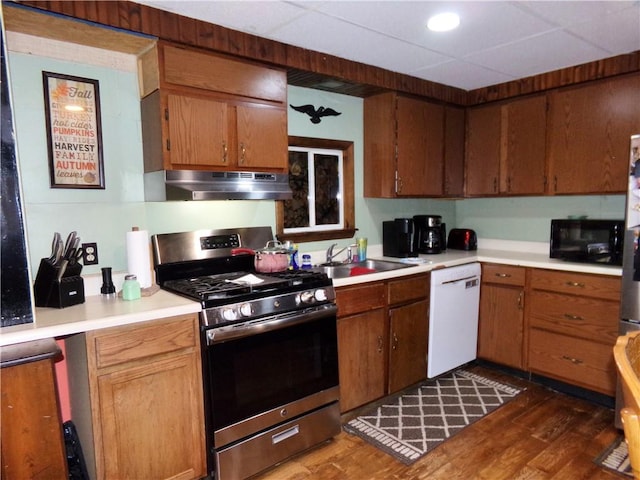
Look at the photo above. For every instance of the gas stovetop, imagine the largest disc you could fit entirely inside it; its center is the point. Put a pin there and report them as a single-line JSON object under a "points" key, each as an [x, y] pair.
{"points": [[203, 266], [222, 289]]}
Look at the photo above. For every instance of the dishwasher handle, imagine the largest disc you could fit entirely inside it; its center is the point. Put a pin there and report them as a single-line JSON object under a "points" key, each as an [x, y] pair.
{"points": [[463, 279]]}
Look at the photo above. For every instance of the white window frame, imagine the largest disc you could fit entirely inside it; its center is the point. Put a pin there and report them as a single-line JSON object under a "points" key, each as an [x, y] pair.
{"points": [[311, 197]]}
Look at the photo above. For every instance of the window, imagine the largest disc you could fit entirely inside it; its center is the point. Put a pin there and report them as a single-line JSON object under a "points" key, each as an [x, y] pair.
{"points": [[321, 178]]}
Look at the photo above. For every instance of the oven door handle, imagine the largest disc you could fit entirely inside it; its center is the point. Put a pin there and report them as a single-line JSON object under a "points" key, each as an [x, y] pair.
{"points": [[253, 327]]}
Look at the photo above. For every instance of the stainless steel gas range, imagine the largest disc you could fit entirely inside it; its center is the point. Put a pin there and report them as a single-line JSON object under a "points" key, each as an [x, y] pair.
{"points": [[269, 348]]}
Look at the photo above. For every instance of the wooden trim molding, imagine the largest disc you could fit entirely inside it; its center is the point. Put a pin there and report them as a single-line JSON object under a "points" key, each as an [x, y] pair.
{"points": [[308, 68]]}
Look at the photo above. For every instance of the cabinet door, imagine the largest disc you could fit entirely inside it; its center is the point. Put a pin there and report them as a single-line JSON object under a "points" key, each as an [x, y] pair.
{"points": [[262, 137], [589, 130], [165, 444], [198, 131], [361, 353], [454, 122], [482, 154], [501, 327], [408, 342], [420, 145], [523, 155]]}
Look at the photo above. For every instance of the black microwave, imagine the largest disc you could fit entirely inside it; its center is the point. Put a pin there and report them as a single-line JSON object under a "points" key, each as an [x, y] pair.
{"points": [[587, 241]]}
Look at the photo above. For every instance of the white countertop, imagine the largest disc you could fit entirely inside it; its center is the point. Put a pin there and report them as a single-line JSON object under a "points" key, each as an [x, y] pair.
{"points": [[98, 312]]}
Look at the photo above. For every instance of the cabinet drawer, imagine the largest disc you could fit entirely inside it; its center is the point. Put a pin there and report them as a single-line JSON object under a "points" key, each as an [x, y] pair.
{"points": [[414, 288], [577, 316], [217, 73], [573, 360], [503, 274], [360, 298], [598, 286], [134, 342]]}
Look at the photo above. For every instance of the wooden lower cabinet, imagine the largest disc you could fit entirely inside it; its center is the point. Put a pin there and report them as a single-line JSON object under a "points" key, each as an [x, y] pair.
{"points": [[409, 333], [362, 340], [501, 319], [382, 338], [32, 440], [573, 325], [361, 353], [137, 399]]}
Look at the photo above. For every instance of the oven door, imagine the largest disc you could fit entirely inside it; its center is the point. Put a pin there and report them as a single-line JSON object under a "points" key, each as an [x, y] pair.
{"points": [[266, 372]]}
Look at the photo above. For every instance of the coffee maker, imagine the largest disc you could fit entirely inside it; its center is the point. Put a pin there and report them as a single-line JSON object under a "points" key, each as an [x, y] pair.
{"points": [[428, 234], [397, 238]]}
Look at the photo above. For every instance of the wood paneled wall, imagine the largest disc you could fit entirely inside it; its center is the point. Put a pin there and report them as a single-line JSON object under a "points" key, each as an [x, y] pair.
{"points": [[309, 68]]}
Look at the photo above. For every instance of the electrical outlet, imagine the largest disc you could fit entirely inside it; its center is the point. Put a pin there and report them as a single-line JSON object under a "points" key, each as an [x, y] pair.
{"points": [[89, 253]]}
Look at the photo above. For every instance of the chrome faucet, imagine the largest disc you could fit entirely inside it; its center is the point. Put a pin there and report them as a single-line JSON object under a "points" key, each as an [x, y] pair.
{"points": [[331, 255]]}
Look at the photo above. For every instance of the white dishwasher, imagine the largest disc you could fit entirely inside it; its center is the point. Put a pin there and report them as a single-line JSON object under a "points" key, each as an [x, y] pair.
{"points": [[453, 317]]}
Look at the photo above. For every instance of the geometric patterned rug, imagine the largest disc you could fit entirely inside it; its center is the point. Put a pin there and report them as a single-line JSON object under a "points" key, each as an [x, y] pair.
{"points": [[616, 457], [414, 423]]}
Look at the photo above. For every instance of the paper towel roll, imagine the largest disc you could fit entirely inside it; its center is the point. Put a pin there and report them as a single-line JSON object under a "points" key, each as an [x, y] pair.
{"points": [[138, 256]]}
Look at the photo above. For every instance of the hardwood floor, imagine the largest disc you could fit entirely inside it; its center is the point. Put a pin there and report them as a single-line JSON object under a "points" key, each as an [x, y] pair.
{"points": [[541, 434]]}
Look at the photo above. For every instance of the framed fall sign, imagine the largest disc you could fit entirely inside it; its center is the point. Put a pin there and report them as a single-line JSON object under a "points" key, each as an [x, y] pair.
{"points": [[74, 131]]}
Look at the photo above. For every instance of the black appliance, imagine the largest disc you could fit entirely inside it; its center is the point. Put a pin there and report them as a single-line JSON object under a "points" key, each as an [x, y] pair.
{"points": [[397, 238], [269, 348], [462, 239], [428, 234], [587, 241]]}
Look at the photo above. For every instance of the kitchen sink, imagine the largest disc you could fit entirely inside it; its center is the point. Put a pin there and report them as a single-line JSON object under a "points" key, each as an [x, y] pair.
{"points": [[343, 270]]}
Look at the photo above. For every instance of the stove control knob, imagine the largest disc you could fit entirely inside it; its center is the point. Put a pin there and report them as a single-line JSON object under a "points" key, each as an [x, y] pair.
{"points": [[229, 314], [321, 295], [245, 309], [306, 297]]}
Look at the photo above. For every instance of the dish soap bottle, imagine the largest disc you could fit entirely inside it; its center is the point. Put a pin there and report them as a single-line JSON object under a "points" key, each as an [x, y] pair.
{"points": [[131, 288]]}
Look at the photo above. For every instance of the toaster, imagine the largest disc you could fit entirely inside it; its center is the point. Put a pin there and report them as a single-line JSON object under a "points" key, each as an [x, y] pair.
{"points": [[462, 239]]}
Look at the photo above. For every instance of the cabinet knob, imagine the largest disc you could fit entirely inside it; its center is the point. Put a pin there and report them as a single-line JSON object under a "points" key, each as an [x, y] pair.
{"points": [[575, 361], [224, 152], [380, 344]]}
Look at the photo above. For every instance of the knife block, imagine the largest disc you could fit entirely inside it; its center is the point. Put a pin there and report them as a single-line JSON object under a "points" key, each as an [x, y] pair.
{"points": [[50, 292]]}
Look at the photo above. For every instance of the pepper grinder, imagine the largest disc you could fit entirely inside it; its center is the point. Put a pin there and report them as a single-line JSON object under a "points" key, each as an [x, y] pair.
{"points": [[108, 289]]}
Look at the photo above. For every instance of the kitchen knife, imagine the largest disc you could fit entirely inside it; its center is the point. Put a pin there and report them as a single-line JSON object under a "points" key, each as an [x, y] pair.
{"points": [[69, 243], [54, 247]]}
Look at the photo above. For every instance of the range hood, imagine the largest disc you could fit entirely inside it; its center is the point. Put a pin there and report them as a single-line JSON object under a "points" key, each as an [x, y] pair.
{"points": [[218, 185]]}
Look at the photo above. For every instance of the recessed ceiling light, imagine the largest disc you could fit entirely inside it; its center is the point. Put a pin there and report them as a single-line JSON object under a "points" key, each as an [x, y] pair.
{"points": [[443, 22]]}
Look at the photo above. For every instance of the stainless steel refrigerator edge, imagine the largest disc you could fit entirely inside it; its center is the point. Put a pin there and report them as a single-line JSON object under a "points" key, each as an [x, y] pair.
{"points": [[630, 289]]}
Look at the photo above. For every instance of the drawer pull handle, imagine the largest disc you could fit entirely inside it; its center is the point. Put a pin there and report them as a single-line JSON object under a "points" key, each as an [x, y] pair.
{"points": [[288, 433], [503, 275], [573, 317], [575, 284], [575, 361], [395, 341], [520, 297], [224, 152]]}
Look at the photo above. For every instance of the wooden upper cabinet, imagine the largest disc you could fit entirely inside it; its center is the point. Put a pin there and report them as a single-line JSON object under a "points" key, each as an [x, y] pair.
{"points": [[404, 147], [198, 131], [262, 137], [523, 155], [505, 150], [188, 67], [482, 150], [454, 123], [214, 111], [588, 135]]}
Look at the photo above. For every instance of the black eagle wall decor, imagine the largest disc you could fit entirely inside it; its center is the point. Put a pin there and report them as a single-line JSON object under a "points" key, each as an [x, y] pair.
{"points": [[316, 115]]}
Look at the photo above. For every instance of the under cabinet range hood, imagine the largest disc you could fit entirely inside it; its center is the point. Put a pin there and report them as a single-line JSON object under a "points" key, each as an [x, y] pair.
{"points": [[219, 185]]}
